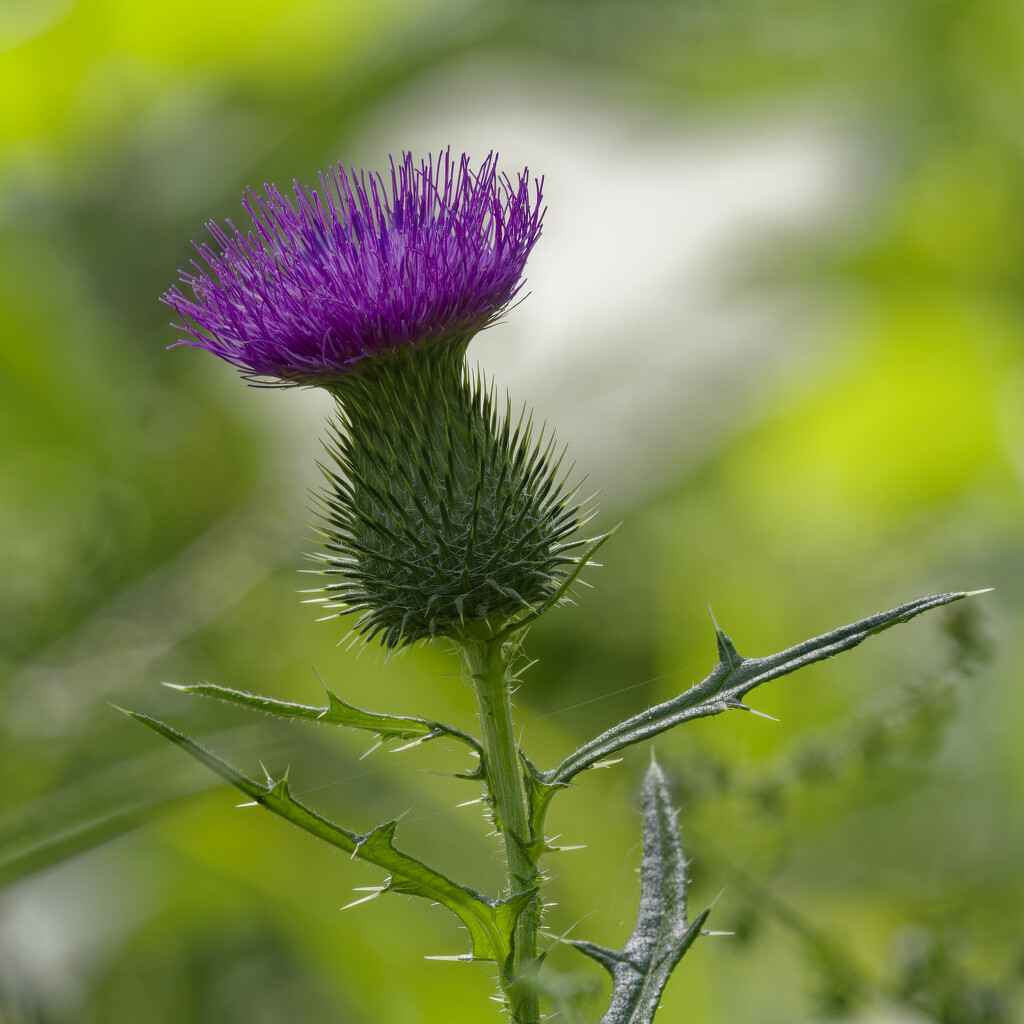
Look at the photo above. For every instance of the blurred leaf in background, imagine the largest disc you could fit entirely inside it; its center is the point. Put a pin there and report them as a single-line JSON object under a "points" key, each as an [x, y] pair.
{"points": [[777, 317]]}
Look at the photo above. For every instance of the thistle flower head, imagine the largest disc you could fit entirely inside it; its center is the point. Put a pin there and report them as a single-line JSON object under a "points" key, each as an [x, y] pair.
{"points": [[327, 277], [443, 516]]}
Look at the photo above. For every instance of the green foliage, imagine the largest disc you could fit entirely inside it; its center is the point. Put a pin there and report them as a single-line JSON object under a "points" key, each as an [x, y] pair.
{"points": [[641, 969], [518, 795], [337, 712], [932, 977], [490, 923], [732, 679], [151, 509], [83, 814]]}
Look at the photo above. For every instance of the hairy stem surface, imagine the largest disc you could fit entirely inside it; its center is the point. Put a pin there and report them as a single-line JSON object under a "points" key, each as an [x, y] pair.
{"points": [[487, 665]]}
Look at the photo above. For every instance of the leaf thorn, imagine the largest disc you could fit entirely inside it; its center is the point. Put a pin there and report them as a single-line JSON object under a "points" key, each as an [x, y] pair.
{"points": [[754, 711], [376, 746], [363, 899], [714, 621], [405, 746]]}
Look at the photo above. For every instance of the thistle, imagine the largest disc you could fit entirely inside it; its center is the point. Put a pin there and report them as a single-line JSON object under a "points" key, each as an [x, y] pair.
{"points": [[442, 515], [446, 516], [325, 280]]}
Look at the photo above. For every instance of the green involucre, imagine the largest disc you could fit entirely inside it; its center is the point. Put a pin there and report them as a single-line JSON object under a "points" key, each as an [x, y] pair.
{"points": [[440, 513]]}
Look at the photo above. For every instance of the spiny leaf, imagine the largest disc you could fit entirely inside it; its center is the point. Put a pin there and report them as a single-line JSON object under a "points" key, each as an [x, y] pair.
{"points": [[732, 679], [337, 712], [662, 934], [540, 794], [489, 923]]}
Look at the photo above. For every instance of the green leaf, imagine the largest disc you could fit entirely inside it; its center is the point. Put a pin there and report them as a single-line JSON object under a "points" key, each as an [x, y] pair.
{"points": [[540, 794], [337, 712], [732, 679], [490, 922], [662, 934]]}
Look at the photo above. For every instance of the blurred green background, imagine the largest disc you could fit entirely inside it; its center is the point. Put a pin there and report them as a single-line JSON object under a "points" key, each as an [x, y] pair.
{"points": [[777, 316]]}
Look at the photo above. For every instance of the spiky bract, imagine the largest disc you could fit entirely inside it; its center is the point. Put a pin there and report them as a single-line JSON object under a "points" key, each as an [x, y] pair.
{"points": [[329, 276], [441, 515]]}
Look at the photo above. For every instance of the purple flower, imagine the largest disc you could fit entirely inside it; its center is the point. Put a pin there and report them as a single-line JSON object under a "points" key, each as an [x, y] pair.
{"points": [[329, 276]]}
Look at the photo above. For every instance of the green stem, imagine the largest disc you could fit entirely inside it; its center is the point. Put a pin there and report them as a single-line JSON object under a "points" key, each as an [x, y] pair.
{"points": [[488, 667]]}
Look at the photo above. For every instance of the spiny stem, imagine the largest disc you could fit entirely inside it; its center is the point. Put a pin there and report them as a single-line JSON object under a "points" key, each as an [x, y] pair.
{"points": [[487, 665]]}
